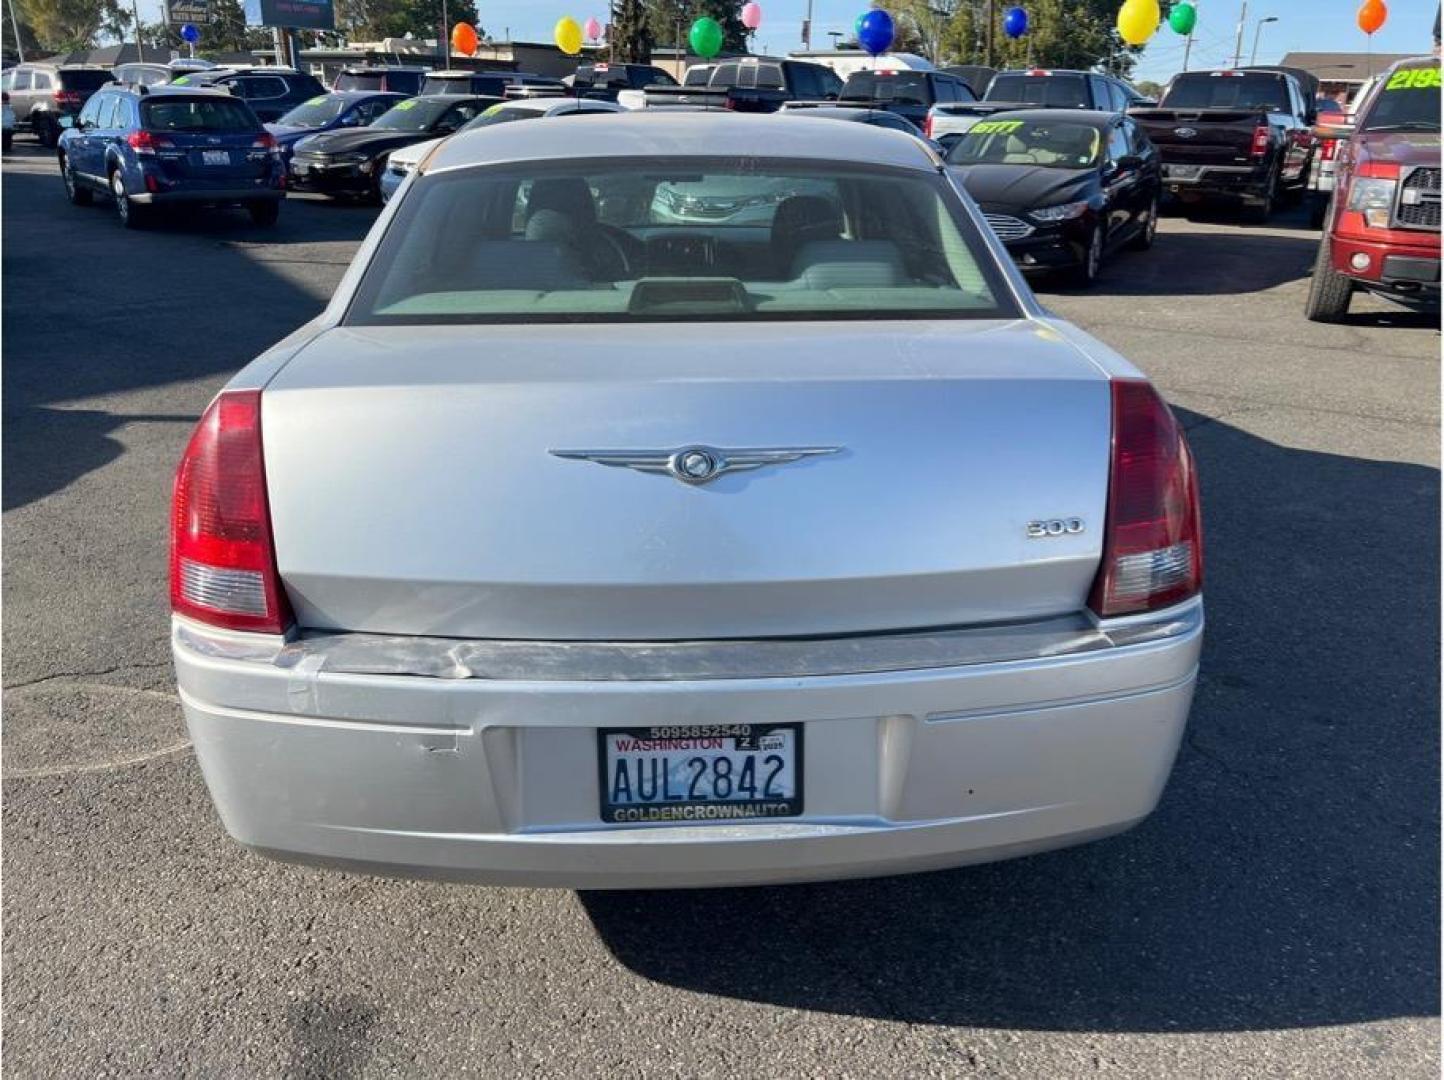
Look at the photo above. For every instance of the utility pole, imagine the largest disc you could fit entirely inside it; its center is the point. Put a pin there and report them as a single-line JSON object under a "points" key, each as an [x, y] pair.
{"points": [[1253, 56], [1238, 41], [1188, 41], [807, 29], [134, 10], [15, 25], [989, 61]]}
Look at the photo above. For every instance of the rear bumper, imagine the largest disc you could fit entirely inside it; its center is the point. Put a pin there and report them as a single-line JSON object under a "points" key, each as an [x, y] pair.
{"points": [[480, 764], [1233, 180], [210, 195]]}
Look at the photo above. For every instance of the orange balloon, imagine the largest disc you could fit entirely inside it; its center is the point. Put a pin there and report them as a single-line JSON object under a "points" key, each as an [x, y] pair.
{"points": [[1372, 14], [463, 37]]}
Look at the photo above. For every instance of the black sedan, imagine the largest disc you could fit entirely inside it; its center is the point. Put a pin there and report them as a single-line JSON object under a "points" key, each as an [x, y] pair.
{"points": [[351, 162], [1062, 188]]}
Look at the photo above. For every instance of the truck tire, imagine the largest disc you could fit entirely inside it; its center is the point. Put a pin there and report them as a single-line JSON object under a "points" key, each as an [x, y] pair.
{"points": [[1318, 210], [1261, 206], [1329, 291], [47, 131]]}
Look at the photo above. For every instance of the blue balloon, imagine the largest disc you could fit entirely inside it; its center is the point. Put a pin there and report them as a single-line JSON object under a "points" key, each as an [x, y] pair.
{"points": [[1015, 22], [190, 33], [874, 31]]}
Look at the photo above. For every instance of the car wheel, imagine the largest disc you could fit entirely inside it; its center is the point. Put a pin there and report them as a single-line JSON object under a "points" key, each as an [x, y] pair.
{"points": [[1086, 272], [1329, 291], [1263, 205], [265, 212], [6, 140], [377, 171], [48, 132], [1318, 211], [78, 196], [1144, 239], [131, 216]]}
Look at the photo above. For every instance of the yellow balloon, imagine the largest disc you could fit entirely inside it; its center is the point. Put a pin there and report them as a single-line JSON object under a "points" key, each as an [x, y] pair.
{"points": [[568, 36], [1137, 20]]}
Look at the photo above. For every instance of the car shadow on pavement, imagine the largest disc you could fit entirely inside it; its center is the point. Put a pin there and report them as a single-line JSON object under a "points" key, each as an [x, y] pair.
{"points": [[1289, 877], [1185, 263], [198, 296]]}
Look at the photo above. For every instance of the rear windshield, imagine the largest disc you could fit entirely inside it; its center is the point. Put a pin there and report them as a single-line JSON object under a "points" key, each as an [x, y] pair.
{"points": [[1051, 91], [356, 81], [747, 76], [492, 85], [695, 240], [905, 87], [1408, 101], [209, 114], [1257, 91], [84, 81], [1053, 144]]}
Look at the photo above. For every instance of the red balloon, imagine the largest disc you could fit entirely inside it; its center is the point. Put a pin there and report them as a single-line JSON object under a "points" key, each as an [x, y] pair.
{"points": [[1372, 14]]}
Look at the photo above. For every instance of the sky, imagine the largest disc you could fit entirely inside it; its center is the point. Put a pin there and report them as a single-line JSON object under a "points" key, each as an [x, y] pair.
{"points": [[1304, 25]]}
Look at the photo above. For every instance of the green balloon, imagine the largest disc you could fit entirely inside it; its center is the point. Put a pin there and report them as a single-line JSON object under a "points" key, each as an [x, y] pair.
{"points": [[1182, 18], [706, 37]]}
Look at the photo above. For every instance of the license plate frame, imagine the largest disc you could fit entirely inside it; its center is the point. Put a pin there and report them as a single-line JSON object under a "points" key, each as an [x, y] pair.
{"points": [[215, 157], [1182, 172], [747, 739]]}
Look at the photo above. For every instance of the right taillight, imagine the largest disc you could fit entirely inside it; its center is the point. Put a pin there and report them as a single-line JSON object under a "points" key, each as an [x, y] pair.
{"points": [[222, 561], [1153, 541], [928, 126]]}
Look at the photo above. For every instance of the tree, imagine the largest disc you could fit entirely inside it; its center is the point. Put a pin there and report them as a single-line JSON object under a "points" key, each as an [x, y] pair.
{"points": [[1061, 33], [64, 25], [670, 21], [630, 34], [1149, 89]]}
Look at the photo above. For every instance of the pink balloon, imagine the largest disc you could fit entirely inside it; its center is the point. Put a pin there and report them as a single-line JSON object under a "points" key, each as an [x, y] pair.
{"points": [[751, 15], [593, 28]]}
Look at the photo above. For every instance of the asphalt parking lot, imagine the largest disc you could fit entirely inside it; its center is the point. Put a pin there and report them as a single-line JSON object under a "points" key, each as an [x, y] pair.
{"points": [[1276, 917]]}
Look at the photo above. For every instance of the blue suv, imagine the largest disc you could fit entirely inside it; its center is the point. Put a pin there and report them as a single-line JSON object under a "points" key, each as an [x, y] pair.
{"points": [[338, 109], [147, 148]]}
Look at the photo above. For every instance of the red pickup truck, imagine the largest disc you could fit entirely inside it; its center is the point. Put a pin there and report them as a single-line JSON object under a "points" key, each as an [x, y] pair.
{"points": [[1382, 229]]}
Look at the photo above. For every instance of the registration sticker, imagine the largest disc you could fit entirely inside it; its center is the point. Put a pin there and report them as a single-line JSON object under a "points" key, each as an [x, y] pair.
{"points": [[991, 127]]}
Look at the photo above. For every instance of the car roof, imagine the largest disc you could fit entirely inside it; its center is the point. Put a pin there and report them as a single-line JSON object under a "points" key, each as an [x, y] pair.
{"points": [[1096, 117], [170, 90], [383, 69], [716, 134], [357, 95]]}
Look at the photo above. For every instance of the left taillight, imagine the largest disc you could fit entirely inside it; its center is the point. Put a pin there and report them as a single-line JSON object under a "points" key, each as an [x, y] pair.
{"points": [[1153, 538], [222, 559], [928, 126], [1260, 144]]}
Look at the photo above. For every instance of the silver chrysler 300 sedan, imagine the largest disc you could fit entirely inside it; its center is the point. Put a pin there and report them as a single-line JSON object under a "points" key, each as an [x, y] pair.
{"points": [[582, 544]]}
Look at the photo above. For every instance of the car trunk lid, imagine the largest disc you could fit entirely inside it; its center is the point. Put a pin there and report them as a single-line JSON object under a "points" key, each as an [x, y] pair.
{"points": [[416, 487]]}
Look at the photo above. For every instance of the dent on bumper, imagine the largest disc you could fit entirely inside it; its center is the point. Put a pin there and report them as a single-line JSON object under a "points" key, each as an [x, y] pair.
{"points": [[486, 772]]}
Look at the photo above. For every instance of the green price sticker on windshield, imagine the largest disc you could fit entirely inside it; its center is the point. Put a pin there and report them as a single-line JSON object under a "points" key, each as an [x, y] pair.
{"points": [[182, 81], [317, 100], [492, 110], [409, 103], [995, 127], [1414, 79]]}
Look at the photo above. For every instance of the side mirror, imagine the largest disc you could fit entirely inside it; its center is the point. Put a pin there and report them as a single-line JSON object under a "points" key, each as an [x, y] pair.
{"points": [[1127, 163], [70, 122]]}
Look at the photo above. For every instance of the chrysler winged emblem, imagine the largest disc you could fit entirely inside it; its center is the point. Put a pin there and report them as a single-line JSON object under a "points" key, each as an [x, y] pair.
{"points": [[697, 464], [1185, 132]]}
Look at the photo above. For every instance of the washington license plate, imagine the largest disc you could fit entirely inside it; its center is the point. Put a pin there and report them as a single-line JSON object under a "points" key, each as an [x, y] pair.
{"points": [[215, 157], [719, 772]]}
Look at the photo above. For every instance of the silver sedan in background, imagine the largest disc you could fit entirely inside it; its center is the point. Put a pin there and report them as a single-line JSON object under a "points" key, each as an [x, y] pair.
{"points": [[579, 544]]}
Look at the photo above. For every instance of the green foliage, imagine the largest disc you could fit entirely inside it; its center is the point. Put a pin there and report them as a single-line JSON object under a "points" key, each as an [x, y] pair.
{"points": [[1061, 33], [670, 20], [631, 35], [1149, 88], [372, 20], [63, 25]]}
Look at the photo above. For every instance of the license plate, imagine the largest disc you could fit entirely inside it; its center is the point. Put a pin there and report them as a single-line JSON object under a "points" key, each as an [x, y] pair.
{"points": [[1181, 172], [215, 157], [721, 772]]}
